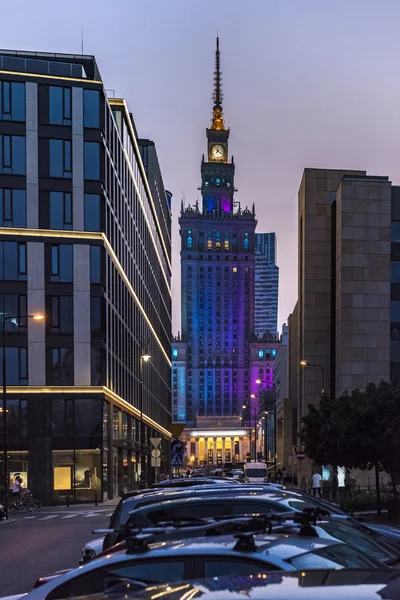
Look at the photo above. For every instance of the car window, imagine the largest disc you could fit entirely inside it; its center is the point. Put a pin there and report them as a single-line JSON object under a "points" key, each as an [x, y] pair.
{"points": [[358, 539], [219, 568], [157, 516], [121, 517], [244, 507], [333, 557], [97, 581], [219, 508]]}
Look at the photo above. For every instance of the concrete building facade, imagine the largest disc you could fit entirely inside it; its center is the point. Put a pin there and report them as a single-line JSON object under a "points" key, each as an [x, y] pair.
{"points": [[345, 320]]}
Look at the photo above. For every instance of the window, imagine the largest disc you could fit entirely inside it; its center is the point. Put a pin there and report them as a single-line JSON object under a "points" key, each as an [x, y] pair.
{"points": [[246, 241], [175, 353], [91, 108], [96, 366], [60, 158], [12, 208], [226, 240], [92, 212], [60, 210], [95, 264], [60, 366], [12, 101], [218, 240], [92, 160], [209, 240], [97, 314], [395, 277], [16, 366], [61, 262], [203, 510], [189, 240], [261, 354], [221, 567], [394, 311], [12, 155], [60, 314], [234, 269], [12, 261], [395, 231], [333, 557], [60, 108], [14, 305]]}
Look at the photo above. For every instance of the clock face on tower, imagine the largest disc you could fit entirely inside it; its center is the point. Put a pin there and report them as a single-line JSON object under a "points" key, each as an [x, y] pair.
{"points": [[217, 151]]}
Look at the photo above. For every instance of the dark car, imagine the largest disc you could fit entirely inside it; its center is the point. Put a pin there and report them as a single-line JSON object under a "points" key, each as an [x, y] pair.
{"points": [[344, 530], [302, 585]]}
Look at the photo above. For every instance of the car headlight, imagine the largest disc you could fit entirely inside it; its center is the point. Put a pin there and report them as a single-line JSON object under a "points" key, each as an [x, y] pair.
{"points": [[88, 554]]}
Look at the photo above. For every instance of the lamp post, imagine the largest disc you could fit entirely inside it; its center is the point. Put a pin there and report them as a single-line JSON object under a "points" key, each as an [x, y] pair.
{"points": [[305, 363], [36, 317], [244, 406], [270, 384], [144, 357]]}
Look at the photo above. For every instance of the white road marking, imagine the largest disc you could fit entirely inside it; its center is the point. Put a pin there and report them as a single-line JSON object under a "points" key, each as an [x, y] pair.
{"points": [[71, 516], [109, 515], [30, 517], [91, 514], [49, 517]]}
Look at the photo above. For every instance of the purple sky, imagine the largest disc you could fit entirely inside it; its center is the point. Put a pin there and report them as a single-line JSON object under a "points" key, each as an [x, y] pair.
{"points": [[307, 83]]}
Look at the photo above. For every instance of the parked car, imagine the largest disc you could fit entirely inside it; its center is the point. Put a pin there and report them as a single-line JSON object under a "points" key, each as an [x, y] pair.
{"points": [[329, 585], [242, 554]]}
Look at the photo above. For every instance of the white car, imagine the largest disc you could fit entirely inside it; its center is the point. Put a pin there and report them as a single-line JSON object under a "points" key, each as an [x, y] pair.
{"points": [[91, 550]]}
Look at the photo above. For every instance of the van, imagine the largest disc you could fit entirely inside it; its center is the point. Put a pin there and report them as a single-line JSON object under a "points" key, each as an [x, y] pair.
{"points": [[255, 472]]}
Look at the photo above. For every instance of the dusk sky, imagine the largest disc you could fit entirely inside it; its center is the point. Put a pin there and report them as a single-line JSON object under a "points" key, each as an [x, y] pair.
{"points": [[306, 84]]}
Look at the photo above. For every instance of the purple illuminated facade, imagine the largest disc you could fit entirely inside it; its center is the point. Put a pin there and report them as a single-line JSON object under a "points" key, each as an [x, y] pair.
{"points": [[217, 268]]}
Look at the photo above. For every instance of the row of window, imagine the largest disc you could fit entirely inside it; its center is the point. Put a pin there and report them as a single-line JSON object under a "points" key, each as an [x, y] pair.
{"points": [[216, 241], [13, 157], [59, 366], [60, 210], [12, 104], [59, 259]]}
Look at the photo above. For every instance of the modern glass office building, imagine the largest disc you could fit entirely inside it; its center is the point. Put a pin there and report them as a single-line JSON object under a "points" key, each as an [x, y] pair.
{"points": [[84, 239], [266, 284]]}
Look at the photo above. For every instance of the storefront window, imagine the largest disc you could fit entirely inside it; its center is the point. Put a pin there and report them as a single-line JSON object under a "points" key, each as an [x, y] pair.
{"points": [[18, 465], [77, 475], [117, 425], [124, 426], [87, 417]]}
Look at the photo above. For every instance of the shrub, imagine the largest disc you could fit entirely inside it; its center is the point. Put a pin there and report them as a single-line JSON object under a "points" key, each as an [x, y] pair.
{"points": [[363, 500]]}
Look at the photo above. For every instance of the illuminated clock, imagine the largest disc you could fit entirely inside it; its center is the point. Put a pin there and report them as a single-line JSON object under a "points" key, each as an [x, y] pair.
{"points": [[217, 151]]}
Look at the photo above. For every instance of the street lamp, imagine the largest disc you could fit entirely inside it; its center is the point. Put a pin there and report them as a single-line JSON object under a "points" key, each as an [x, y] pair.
{"points": [[271, 385], [244, 406], [144, 357], [36, 317], [305, 363]]}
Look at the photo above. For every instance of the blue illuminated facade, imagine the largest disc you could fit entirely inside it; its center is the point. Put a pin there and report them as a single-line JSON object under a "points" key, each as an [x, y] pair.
{"points": [[218, 274], [266, 285]]}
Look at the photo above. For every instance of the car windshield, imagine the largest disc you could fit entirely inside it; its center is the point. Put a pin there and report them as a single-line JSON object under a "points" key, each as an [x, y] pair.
{"points": [[256, 472], [333, 557], [359, 539]]}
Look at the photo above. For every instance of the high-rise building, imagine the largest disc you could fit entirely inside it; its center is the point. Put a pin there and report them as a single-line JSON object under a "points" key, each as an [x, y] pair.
{"points": [[346, 322], [217, 266], [266, 285], [84, 239]]}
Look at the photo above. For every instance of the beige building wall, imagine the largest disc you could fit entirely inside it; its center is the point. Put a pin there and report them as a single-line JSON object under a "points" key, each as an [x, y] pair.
{"points": [[363, 246]]}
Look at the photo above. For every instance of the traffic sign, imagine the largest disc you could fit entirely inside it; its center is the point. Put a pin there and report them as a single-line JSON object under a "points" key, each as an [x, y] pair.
{"points": [[155, 442], [300, 455], [176, 452], [177, 460], [155, 453], [176, 429]]}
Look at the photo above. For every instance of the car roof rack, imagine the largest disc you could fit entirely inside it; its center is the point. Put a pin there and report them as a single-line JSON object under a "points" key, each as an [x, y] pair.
{"points": [[138, 538]]}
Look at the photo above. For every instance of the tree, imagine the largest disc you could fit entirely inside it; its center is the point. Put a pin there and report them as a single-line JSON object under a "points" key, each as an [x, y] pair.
{"points": [[360, 430]]}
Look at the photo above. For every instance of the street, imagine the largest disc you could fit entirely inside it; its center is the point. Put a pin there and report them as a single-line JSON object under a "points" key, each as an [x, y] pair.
{"points": [[50, 540]]}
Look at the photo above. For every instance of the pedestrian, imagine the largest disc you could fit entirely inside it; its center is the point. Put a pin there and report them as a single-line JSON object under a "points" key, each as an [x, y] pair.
{"points": [[279, 475], [316, 483], [17, 487], [284, 475], [304, 483], [334, 487]]}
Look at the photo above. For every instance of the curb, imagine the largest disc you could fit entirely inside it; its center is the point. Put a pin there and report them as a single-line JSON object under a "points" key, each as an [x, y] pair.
{"points": [[7, 521]]}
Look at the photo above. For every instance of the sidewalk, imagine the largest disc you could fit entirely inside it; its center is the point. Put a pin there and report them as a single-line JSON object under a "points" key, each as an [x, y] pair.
{"points": [[82, 505]]}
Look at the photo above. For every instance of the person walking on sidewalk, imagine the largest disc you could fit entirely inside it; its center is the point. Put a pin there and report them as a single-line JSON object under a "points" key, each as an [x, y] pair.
{"points": [[316, 483]]}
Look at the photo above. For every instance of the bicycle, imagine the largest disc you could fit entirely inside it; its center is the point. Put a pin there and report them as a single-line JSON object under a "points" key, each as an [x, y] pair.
{"points": [[27, 501]]}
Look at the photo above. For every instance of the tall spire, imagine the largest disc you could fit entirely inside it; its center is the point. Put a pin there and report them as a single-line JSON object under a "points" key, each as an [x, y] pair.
{"points": [[217, 120], [217, 95]]}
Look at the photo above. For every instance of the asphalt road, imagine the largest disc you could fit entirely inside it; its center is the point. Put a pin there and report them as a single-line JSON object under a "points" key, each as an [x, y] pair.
{"points": [[41, 543]]}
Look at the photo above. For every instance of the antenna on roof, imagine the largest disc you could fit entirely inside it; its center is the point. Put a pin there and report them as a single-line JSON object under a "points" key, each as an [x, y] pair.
{"points": [[82, 42]]}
